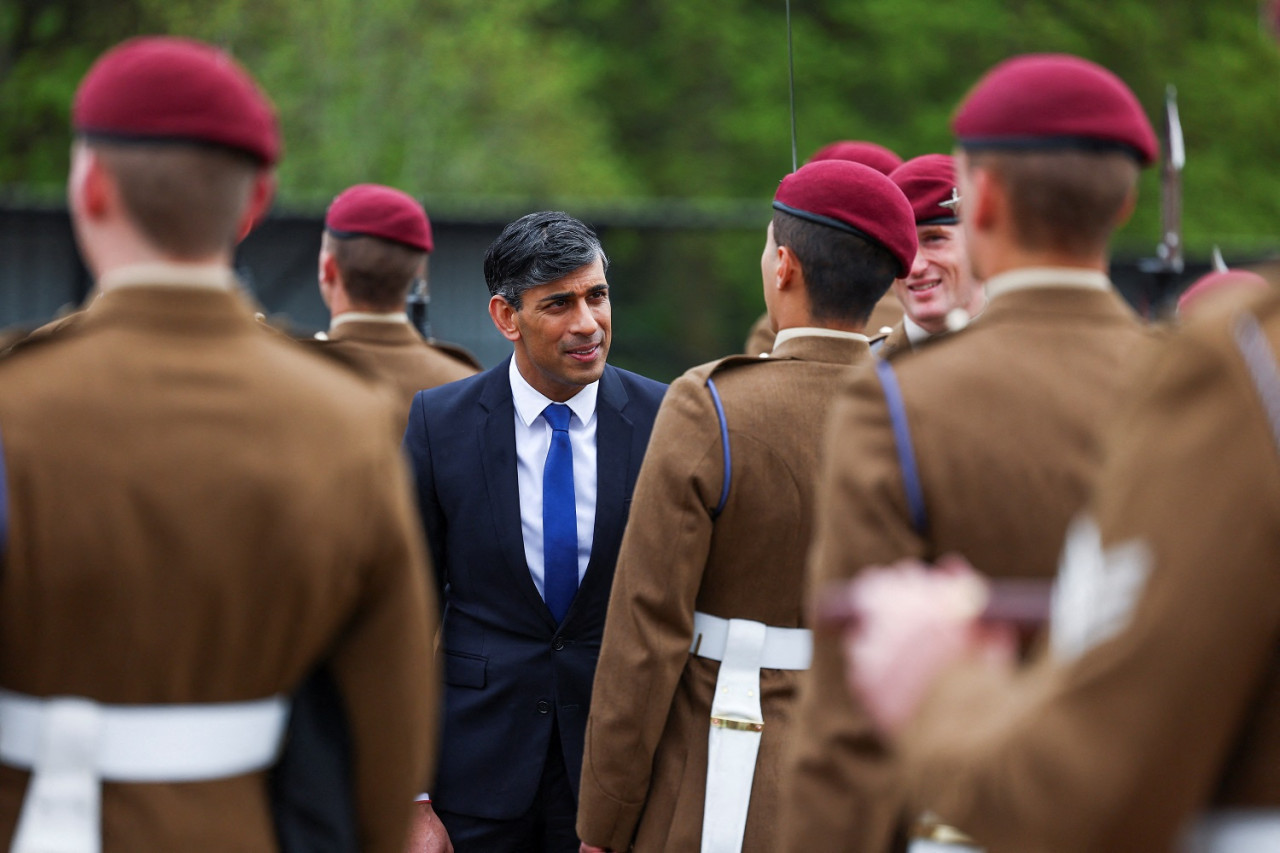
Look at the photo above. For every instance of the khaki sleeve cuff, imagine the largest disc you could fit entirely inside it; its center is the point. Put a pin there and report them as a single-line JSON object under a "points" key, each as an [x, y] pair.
{"points": [[604, 821]]}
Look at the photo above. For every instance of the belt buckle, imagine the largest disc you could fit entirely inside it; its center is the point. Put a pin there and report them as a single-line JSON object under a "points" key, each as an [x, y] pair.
{"points": [[737, 725]]}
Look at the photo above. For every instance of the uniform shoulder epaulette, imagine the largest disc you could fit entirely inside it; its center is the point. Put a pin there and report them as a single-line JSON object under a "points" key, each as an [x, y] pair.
{"points": [[22, 339], [457, 353], [11, 337], [731, 362], [335, 354]]}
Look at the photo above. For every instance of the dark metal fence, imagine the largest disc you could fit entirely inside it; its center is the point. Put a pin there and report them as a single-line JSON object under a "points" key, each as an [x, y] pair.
{"points": [[686, 282]]}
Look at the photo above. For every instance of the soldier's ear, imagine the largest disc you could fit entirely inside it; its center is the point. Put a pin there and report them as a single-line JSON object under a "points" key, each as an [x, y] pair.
{"points": [[91, 186], [985, 200], [1126, 209], [264, 190], [788, 270], [329, 276], [504, 318]]}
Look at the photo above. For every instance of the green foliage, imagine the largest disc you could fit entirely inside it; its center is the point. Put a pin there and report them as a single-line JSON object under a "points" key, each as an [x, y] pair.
{"points": [[608, 102], [612, 100]]}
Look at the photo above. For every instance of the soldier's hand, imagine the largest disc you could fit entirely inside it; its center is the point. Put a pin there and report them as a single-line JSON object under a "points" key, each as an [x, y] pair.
{"points": [[909, 622], [427, 834], [588, 848]]}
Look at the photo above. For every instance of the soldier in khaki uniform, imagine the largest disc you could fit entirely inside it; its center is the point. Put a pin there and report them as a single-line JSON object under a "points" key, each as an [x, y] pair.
{"points": [[376, 243], [940, 294], [714, 550], [887, 311], [1004, 419], [198, 512], [1158, 712]]}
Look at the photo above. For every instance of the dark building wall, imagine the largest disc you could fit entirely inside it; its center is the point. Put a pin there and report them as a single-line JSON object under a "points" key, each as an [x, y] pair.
{"points": [[41, 275], [685, 290]]}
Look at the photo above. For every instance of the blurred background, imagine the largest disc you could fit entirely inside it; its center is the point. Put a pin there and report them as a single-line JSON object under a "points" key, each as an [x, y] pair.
{"points": [[662, 123]]}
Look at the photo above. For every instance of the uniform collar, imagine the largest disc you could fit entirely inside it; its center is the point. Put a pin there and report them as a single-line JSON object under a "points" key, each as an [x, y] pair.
{"points": [[530, 402], [816, 332], [162, 274], [368, 317], [1029, 278]]}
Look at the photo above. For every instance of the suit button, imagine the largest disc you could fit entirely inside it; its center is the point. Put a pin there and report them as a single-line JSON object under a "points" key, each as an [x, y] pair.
{"points": [[558, 644], [544, 707]]}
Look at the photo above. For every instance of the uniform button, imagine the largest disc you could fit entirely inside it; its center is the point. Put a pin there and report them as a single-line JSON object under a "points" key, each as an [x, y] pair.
{"points": [[558, 644], [544, 707]]}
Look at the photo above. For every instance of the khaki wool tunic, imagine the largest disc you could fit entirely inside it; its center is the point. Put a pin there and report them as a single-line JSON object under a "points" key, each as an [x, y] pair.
{"points": [[644, 770], [1179, 712], [895, 343], [1006, 420], [202, 511], [398, 354]]}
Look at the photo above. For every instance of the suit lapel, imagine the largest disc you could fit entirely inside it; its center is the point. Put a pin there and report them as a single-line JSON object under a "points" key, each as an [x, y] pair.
{"points": [[614, 478], [497, 439]]}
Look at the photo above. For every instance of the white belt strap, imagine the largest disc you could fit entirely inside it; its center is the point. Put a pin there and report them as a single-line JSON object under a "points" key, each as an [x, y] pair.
{"points": [[736, 724], [784, 648], [743, 648], [1235, 831], [71, 744]]}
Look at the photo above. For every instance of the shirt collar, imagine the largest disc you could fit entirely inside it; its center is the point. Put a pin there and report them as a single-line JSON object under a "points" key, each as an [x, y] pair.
{"points": [[1036, 277], [162, 274], [530, 402], [816, 332], [916, 333], [368, 317]]}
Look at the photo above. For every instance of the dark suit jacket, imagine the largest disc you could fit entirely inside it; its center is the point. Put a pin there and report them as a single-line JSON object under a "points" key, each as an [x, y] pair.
{"points": [[510, 671]]}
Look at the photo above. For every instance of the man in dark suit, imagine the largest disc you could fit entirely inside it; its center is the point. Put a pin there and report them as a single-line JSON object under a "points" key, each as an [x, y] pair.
{"points": [[524, 478]]}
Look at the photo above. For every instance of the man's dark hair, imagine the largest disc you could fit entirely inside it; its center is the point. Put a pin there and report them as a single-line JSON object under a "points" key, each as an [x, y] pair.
{"points": [[536, 249], [845, 274], [376, 273], [1065, 201], [186, 200]]}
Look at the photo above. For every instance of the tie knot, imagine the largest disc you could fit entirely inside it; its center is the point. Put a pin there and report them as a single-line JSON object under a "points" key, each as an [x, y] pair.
{"points": [[557, 414]]}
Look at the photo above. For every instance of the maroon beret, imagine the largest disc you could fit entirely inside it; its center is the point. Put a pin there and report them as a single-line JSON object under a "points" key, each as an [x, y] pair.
{"points": [[927, 182], [1051, 102], [1217, 283], [372, 210], [877, 157], [854, 198], [164, 88]]}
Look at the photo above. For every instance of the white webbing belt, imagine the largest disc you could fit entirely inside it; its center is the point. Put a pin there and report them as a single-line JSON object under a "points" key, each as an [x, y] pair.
{"points": [[784, 648], [743, 648], [1234, 831], [71, 744]]}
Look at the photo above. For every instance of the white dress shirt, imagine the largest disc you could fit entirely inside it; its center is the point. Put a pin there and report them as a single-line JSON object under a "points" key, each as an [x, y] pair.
{"points": [[533, 441], [916, 334]]}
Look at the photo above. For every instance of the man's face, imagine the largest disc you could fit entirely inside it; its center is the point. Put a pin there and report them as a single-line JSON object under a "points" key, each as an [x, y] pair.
{"points": [[939, 280], [561, 332]]}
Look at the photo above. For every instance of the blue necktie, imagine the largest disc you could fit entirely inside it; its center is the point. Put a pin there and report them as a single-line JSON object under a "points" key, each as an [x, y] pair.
{"points": [[559, 516]]}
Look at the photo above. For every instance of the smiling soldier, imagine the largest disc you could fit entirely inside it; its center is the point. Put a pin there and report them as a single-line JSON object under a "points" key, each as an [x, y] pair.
{"points": [[940, 292], [524, 477]]}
